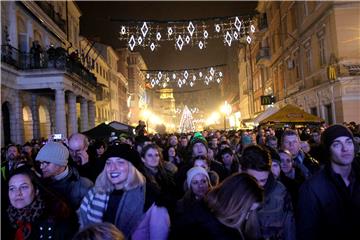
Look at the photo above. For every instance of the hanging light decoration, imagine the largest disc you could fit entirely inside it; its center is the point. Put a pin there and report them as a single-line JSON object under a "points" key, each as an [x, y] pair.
{"points": [[197, 32], [184, 77]]}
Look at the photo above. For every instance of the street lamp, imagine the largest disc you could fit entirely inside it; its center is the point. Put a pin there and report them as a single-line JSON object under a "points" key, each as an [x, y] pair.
{"points": [[226, 110], [146, 114]]}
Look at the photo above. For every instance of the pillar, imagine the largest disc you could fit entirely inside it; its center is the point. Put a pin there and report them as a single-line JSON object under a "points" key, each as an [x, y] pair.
{"points": [[84, 117], [91, 114], [60, 119], [35, 117], [72, 113]]}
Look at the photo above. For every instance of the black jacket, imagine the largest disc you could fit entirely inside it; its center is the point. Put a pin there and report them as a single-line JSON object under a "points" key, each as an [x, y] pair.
{"points": [[199, 223], [327, 209]]}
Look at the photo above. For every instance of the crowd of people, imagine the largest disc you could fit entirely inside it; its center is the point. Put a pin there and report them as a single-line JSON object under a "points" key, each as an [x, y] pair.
{"points": [[247, 184]]}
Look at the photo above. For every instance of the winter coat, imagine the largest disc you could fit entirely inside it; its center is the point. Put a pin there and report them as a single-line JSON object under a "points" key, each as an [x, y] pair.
{"points": [[132, 217], [327, 209], [73, 187], [199, 223], [275, 214]]}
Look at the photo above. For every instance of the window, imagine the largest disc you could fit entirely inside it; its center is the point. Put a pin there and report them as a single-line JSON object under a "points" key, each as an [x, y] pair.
{"points": [[308, 59], [322, 51], [328, 114], [313, 111], [296, 64]]}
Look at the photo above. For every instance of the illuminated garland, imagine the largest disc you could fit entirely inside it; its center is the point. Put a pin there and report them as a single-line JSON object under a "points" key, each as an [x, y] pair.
{"points": [[183, 77], [197, 32]]}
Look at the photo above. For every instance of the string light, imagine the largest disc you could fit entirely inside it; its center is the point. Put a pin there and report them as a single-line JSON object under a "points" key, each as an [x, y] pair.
{"points": [[184, 77], [196, 32]]}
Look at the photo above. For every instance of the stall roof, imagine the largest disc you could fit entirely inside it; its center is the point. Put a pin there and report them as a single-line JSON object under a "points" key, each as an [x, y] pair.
{"points": [[291, 114]]}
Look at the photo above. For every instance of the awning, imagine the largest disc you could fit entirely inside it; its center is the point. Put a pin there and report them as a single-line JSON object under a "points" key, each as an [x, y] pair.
{"points": [[291, 114], [269, 111]]}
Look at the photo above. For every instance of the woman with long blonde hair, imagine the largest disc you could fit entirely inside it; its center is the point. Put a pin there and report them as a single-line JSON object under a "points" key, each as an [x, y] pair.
{"points": [[122, 197]]}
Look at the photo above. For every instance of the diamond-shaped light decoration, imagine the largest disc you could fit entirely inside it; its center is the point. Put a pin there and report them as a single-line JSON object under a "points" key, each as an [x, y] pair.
{"points": [[164, 85], [170, 31], [158, 36], [184, 81], [140, 40], [218, 80], [212, 71], [228, 38], [179, 82], [174, 76], [180, 42], [167, 79], [191, 28], [220, 74], [217, 28], [191, 84], [186, 74], [201, 45], [252, 28], [206, 34], [237, 24], [144, 29], [157, 81], [132, 42], [153, 82], [187, 39], [248, 39], [200, 74], [147, 76], [236, 35], [211, 78], [159, 75], [194, 78], [152, 46], [123, 30]]}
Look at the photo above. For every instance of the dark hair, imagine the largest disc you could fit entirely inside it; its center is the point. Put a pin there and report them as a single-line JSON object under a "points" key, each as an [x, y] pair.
{"points": [[200, 157], [151, 146], [256, 157], [99, 143], [226, 150], [288, 132]]}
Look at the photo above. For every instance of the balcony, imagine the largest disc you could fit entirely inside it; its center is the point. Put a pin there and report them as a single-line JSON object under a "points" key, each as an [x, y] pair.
{"points": [[263, 56], [57, 59], [102, 93], [55, 16]]}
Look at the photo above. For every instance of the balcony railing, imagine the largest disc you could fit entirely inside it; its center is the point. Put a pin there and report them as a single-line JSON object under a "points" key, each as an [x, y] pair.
{"points": [[55, 16], [263, 53], [50, 59]]}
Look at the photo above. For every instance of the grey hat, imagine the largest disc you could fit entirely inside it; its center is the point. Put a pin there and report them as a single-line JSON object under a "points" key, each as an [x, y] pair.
{"points": [[53, 152]]}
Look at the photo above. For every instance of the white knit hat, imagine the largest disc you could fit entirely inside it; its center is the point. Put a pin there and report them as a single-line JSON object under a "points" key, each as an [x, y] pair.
{"points": [[193, 172], [53, 152]]}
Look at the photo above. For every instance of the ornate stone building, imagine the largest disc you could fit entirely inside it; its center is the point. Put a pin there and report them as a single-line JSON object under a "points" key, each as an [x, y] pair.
{"points": [[308, 54], [41, 81]]}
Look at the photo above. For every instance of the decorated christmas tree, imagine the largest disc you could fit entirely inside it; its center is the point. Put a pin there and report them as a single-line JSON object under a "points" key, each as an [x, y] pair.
{"points": [[186, 122]]}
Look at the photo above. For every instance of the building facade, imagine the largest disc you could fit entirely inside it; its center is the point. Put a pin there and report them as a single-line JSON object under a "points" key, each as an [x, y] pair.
{"points": [[308, 54], [41, 81]]}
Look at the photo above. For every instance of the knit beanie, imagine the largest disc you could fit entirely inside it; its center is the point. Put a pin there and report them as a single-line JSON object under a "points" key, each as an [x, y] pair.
{"points": [[245, 139], [53, 152], [333, 132], [198, 137], [194, 171], [124, 151]]}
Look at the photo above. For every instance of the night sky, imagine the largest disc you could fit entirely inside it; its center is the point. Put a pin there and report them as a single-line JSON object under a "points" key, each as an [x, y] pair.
{"points": [[95, 21]]}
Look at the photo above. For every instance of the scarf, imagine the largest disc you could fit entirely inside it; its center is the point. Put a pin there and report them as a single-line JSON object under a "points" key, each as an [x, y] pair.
{"points": [[128, 215], [22, 219]]}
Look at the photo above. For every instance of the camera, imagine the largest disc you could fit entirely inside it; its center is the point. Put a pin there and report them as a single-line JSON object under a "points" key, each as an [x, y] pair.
{"points": [[57, 136]]}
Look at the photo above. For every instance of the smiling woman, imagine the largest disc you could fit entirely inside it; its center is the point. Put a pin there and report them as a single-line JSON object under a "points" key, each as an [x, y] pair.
{"points": [[122, 197]]}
